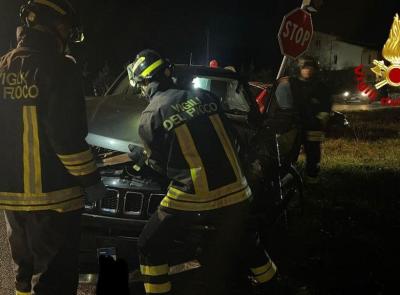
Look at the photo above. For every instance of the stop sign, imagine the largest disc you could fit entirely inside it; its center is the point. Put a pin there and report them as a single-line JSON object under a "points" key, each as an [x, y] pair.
{"points": [[295, 33]]}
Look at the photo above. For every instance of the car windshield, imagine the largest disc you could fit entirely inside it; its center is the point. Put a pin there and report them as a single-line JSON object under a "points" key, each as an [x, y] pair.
{"points": [[113, 119]]}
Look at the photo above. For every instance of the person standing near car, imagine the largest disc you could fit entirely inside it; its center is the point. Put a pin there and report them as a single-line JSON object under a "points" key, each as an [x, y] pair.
{"points": [[188, 138], [306, 95], [47, 166]]}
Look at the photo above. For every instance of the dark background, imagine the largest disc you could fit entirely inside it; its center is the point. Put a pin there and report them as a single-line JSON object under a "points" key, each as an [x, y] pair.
{"points": [[240, 32]]}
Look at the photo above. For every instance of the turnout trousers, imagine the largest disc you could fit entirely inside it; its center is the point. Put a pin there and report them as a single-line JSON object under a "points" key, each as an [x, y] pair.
{"points": [[312, 149], [45, 250], [224, 248]]}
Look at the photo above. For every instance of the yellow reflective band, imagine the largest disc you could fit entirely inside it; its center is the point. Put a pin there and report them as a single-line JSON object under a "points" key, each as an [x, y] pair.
{"points": [[315, 135], [9, 198], [151, 68], [261, 269], [138, 62], [82, 169], [26, 149], [22, 293], [192, 157], [226, 143], [76, 159], [154, 270], [36, 151], [193, 206], [51, 5], [267, 276], [177, 194], [157, 288], [65, 206]]}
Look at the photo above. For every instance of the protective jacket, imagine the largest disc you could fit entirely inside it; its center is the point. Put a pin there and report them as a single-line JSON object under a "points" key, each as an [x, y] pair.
{"points": [[311, 99], [187, 138], [45, 159]]}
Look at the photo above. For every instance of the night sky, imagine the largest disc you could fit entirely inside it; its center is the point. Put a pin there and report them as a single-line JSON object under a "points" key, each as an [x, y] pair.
{"points": [[239, 32]]}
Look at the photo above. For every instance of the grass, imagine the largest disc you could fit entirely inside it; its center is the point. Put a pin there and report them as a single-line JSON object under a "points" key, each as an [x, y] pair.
{"points": [[346, 241]]}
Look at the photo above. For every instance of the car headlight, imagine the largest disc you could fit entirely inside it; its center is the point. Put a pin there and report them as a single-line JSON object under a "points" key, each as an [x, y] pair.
{"points": [[346, 94]]}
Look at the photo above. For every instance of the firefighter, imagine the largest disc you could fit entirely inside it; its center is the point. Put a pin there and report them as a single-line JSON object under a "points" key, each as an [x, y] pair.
{"points": [[310, 98], [47, 166], [188, 138]]}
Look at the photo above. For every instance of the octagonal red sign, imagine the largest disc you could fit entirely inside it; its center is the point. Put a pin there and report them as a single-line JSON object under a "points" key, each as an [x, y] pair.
{"points": [[295, 33]]}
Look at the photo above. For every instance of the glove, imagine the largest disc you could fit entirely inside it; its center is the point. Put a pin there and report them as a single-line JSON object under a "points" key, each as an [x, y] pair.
{"points": [[95, 192], [323, 117], [138, 157]]}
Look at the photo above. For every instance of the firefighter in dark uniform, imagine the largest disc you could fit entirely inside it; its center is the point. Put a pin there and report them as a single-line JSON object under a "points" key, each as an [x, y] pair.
{"points": [[46, 164], [310, 98], [187, 138]]}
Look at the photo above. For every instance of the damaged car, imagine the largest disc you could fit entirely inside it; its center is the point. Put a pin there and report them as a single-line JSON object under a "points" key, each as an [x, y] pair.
{"points": [[113, 225]]}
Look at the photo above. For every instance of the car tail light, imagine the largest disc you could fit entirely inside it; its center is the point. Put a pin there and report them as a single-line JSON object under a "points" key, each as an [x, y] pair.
{"points": [[133, 203], [109, 204]]}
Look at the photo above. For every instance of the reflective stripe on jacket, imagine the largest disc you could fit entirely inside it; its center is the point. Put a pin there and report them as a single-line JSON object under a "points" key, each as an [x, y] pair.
{"points": [[45, 158], [187, 138]]}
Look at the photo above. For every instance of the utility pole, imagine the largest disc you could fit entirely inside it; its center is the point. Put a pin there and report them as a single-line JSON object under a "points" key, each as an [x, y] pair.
{"points": [[208, 46]]}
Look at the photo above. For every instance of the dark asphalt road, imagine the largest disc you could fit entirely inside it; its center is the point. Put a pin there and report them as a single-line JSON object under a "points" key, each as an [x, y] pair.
{"points": [[359, 107]]}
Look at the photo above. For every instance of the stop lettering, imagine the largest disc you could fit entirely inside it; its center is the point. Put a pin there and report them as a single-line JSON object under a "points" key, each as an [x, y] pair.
{"points": [[295, 33]]}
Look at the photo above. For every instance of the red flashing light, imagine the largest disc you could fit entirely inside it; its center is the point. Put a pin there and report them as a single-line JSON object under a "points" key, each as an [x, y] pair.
{"points": [[213, 64]]}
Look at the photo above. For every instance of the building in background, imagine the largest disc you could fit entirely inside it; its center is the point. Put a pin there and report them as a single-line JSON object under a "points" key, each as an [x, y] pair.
{"points": [[335, 54], [338, 59]]}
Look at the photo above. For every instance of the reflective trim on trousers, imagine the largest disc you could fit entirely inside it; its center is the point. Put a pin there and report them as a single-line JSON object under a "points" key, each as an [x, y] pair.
{"points": [[264, 273], [157, 288]]}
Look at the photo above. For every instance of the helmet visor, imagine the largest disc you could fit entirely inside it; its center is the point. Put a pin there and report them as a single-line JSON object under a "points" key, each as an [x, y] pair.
{"points": [[133, 80]]}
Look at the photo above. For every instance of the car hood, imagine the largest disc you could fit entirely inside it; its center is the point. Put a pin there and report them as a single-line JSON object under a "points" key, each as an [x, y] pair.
{"points": [[113, 121]]}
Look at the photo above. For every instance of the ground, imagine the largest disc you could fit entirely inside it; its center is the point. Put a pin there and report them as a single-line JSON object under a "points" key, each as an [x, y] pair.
{"points": [[345, 240]]}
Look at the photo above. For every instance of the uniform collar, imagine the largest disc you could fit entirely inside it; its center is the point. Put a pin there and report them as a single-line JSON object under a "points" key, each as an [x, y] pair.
{"points": [[158, 86]]}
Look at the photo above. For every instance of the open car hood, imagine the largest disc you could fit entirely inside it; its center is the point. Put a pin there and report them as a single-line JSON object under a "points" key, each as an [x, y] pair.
{"points": [[113, 121]]}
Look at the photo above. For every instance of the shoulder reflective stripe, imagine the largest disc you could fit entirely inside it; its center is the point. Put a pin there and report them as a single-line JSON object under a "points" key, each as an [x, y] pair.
{"points": [[65, 206], [157, 288], [26, 150], [22, 293], [261, 269], [155, 270], [267, 276], [193, 159], [151, 68], [36, 151], [137, 64], [223, 202], [226, 143], [76, 159], [51, 5]]}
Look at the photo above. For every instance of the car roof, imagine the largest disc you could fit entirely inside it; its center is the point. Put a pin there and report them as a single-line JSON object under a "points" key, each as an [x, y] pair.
{"points": [[207, 71]]}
